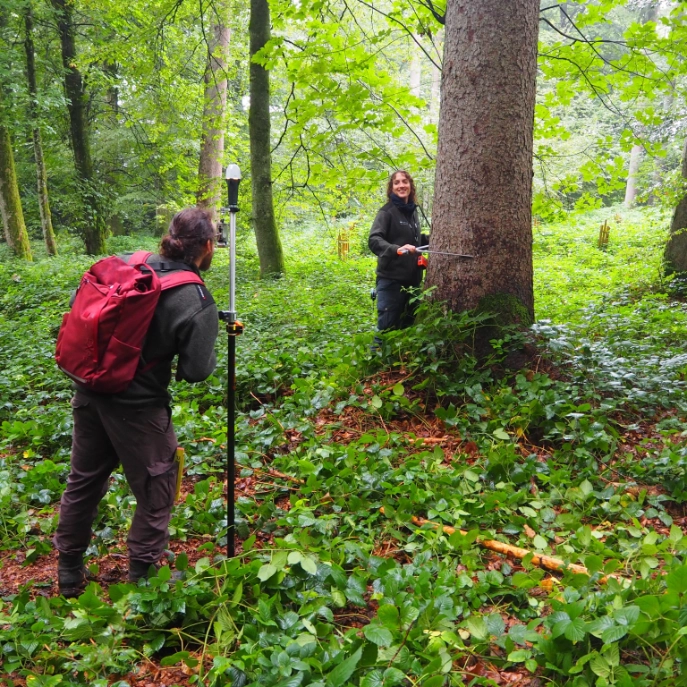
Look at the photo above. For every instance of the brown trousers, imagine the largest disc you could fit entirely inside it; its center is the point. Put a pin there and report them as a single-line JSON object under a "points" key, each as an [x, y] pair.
{"points": [[143, 441]]}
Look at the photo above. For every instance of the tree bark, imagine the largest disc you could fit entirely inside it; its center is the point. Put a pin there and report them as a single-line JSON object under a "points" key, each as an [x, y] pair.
{"points": [[95, 228], [266, 234], [41, 175], [483, 187], [10, 202], [631, 187], [214, 114], [675, 255]]}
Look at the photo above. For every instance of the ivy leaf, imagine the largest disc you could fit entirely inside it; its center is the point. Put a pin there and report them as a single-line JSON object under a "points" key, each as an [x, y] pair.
{"points": [[344, 670], [576, 630], [600, 666], [376, 402], [181, 562], [477, 627], [266, 571], [393, 676], [373, 679], [519, 655], [600, 625], [593, 563], [676, 581], [539, 542], [613, 634], [378, 635], [398, 389], [388, 616], [309, 565], [628, 615]]}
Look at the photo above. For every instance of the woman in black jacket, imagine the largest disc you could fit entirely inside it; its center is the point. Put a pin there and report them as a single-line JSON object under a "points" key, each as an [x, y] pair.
{"points": [[394, 238]]}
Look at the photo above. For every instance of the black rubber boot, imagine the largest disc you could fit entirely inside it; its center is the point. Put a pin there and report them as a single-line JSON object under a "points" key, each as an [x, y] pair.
{"points": [[71, 575], [141, 569]]}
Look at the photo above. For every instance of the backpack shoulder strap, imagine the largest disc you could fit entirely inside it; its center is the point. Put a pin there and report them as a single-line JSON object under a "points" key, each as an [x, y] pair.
{"points": [[139, 257], [169, 281]]}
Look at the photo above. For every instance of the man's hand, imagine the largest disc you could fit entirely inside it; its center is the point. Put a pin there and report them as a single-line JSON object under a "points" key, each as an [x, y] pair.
{"points": [[408, 248]]}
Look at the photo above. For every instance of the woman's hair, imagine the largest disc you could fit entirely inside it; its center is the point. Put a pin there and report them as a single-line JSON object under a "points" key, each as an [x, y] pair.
{"points": [[389, 186], [189, 231]]}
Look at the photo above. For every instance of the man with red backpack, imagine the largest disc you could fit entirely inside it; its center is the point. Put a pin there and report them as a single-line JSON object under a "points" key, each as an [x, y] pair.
{"points": [[133, 426]]}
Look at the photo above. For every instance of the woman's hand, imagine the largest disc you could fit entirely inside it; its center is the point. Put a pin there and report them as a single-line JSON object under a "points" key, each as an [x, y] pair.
{"points": [[408, 248]]}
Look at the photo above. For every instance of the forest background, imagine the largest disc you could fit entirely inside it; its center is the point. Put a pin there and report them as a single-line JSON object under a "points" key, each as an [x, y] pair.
{"points": [[580, 454]]}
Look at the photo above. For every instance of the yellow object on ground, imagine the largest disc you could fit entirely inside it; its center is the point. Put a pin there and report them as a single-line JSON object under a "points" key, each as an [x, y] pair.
{"points": [[180, 459]]}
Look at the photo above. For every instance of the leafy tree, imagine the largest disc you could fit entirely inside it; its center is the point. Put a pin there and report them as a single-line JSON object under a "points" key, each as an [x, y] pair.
{"points": [[10, 203], [214, 110], [41, 174], [266, 234], [94, 228], [483, 188]]}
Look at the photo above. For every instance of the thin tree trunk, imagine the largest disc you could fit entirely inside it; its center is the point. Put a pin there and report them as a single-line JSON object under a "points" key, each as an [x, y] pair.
{"points": [[10, 202], [631, 187], [41, 175], [415, 76], [483, 188], [214, 115], [266, 234], [95, 229]]}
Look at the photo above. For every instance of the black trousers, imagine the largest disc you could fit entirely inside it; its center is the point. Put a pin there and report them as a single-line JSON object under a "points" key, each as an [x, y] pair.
{"points": [[143, 441], [394, 309]]}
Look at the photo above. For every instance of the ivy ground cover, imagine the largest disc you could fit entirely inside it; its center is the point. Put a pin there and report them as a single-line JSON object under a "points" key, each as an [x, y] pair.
{"points": [[350, 464]]}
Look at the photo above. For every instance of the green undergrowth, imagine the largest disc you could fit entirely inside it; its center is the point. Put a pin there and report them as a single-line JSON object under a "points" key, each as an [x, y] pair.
{"points": [[581, 454]]}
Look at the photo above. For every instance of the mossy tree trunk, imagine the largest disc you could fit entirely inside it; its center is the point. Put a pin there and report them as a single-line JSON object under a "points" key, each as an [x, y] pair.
{"points": [[94, 225], [214, 114], [675, 256], [10, 203], [266, 234], [483, 188], [41, 175]]}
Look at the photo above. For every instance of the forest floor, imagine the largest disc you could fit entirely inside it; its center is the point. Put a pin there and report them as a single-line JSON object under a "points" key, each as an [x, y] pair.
{"points": [[342, 455]]}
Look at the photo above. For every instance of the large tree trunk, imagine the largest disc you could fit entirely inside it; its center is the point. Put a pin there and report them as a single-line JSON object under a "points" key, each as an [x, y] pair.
{"points": [[214, 113], [10, 203], [483, 187], [675, 256], [95, 228], [266, 235], [41, 176]]}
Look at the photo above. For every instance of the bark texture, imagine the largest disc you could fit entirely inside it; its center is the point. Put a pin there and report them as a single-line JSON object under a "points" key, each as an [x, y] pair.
{"points": [[95, 228], [41, 175], [675, 256], [214, 114], [266, 234], [483, 186], [10, 203]]}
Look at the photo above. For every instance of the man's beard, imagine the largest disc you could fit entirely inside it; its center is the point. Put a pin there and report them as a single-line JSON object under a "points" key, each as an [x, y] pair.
{"points": [[205, 263]]}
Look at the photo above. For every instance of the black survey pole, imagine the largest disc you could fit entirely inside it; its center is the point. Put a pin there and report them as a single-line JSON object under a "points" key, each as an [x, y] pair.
{"points": [[234, 329]]}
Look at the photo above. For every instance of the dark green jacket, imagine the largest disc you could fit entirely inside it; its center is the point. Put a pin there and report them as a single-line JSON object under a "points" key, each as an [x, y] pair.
{"points": [[391, 230], [185, 326]]}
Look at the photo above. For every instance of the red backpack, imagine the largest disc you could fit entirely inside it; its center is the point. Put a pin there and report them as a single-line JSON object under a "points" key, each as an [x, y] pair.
{"points": [[100, 340]]}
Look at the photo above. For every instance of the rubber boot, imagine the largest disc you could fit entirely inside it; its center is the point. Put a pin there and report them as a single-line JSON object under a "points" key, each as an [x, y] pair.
{"points": [[71, 575], [139, 570]]}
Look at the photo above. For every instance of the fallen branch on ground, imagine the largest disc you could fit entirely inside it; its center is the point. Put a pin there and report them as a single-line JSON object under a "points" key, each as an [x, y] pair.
{"points": [[541, 560]]}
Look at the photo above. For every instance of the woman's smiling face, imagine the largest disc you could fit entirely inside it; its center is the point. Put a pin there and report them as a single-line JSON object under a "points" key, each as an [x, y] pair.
{"points": [[400, 185]]}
